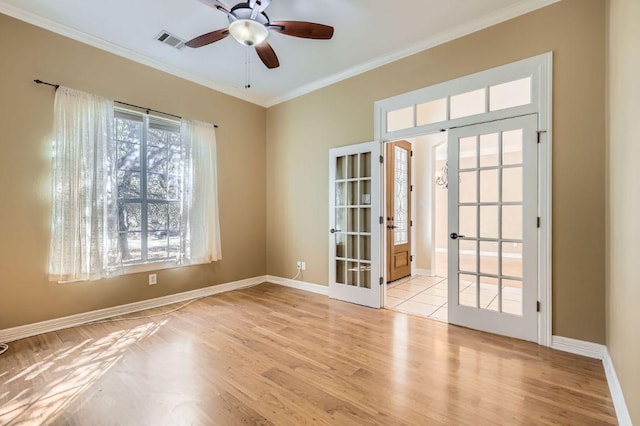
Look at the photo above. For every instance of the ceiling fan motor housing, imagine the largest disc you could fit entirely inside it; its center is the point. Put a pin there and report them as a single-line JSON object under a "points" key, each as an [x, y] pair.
{"points": [[243, 11], [250, 26]]}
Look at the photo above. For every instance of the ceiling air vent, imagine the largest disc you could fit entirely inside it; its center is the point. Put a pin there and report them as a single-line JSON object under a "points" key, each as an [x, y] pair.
{"points": [[169, 39]]}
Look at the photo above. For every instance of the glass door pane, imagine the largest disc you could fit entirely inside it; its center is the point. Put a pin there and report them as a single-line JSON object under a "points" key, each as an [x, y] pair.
{"points": [[354, 236], [493, 209], [401, 192]]}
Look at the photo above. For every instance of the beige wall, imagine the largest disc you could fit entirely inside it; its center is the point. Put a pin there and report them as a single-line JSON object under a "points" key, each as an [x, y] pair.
{"points": [[26, 115], [300, 133], [623, 213], [421, 201]]}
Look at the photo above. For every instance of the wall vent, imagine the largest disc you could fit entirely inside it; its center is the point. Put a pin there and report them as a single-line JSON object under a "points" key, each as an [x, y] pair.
{"points": [[167, 38]]}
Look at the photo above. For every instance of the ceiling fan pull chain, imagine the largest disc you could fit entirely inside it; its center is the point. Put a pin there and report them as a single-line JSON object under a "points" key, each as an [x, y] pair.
{"points": [[250, 26], [247, 69]]}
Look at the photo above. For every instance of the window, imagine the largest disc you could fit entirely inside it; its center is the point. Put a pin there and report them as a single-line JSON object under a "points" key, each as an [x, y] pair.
{"points": [[150, 188], [400, 119], [431, 112], [469, 103], [129, 189], [511, 94]]}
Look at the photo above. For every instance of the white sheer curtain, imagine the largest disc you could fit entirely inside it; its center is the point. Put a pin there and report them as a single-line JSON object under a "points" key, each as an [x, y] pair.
{"points": [[84, 214], [201, 222]]}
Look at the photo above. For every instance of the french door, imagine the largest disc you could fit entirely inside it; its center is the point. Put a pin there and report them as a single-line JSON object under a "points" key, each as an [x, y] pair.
{"points": [[493, 238], [354, 222]]}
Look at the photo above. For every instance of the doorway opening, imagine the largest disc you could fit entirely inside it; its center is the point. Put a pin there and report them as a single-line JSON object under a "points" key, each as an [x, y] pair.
{"points": [[420, 288], [498, 131]]}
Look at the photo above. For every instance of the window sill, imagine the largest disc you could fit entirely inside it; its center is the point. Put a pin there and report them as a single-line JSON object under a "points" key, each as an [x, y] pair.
{"points": [[152, 266], [138, 268]]}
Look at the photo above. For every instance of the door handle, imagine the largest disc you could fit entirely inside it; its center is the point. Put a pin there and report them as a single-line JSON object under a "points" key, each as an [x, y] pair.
{"points": [[391, 227], [333, 231], [455, 236]]}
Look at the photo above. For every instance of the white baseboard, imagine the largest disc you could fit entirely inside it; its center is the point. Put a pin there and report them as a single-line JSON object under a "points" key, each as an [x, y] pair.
{"points": [[594, 350], [622, 412], [578, 347], [24, 331], [425, 272], [300, 285]]}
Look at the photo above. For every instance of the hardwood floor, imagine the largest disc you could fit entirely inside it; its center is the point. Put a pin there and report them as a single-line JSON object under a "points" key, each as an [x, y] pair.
{"points": [[274, 355]]}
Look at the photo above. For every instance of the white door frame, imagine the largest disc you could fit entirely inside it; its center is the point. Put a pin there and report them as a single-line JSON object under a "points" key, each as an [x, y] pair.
{"points": [[539, 68]]}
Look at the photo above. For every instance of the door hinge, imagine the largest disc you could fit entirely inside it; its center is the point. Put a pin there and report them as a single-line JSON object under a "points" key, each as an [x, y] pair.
{"points": [[381, 159], [538, 222], [381, 220], [412, 258], [537, 306], [412, 153], [540, 132], [381, 280], [411, 188], [410, 223]]}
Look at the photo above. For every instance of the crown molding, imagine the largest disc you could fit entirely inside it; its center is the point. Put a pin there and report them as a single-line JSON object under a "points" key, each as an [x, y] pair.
{"points": [[64, 30], [485, 21], [517, 9]]}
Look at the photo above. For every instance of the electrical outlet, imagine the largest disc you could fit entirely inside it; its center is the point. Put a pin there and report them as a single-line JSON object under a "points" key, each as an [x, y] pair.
{"points": [[298, 265], [304, 266], [153, 279]]}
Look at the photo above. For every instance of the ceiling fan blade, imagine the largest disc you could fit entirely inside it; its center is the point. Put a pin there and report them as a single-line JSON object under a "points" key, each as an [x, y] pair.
{"points": [[303, 29], [216, 5], [267, 55], [208, 38]]}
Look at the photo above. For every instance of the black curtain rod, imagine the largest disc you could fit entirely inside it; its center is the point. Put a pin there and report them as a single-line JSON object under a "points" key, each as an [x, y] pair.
{"points": [[148, 110]]}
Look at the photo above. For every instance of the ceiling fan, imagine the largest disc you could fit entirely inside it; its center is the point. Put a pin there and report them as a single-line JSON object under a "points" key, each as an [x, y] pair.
{"points": [[250, 26]]}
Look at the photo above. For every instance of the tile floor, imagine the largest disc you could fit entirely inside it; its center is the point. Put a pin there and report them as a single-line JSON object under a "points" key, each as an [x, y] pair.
{"points": [[419, 295], [427, 297]]}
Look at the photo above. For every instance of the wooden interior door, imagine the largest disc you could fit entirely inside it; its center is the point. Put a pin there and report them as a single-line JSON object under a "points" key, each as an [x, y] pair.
{"points": [[398, 210]]}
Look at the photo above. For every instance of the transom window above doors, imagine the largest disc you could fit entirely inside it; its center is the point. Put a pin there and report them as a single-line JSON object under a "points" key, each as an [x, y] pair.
{"points": [[506, 91], [487, 99]]}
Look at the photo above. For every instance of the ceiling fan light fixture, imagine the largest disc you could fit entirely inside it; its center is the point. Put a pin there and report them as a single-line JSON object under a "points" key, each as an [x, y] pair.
{"points": [[248, 32]]}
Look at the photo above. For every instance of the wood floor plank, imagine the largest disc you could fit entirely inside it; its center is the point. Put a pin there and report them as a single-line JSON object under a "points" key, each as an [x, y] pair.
{"points": [[273, 355]]}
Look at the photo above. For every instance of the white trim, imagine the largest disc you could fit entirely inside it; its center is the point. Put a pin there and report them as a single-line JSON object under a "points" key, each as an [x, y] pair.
{"points": [[505, 14], [300, 285], [425, 272], [601, 352], [622, 412], [540, 67], [486, 21], [535, 67], [545, 189], [105, 45], [578, 347], [24, 331]]}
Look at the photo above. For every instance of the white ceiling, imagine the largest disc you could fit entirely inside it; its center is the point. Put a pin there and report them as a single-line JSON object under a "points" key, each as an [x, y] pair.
{"points": [[368, 33]]}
